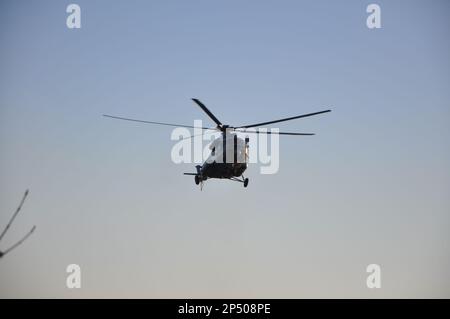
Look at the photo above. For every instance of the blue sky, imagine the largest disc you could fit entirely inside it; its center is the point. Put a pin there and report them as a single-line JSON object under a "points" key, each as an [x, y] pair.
{"points": [[371, 187]]}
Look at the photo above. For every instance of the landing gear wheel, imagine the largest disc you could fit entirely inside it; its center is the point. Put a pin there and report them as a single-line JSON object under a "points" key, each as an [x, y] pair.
{"points": [[197, 180], [245, 182]]}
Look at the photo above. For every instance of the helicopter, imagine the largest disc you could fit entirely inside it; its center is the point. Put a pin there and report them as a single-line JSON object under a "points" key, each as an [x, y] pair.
{"points": [[217, 165]]}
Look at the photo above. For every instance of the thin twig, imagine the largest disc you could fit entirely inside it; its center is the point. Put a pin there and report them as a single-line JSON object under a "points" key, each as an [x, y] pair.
{"points": [[18, 243], [15, 214]]}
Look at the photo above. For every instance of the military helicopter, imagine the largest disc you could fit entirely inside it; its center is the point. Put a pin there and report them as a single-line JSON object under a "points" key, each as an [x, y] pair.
{"points": [[217, 165]]}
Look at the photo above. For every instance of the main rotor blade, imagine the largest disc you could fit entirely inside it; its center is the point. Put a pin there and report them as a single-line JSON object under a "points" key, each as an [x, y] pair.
{"points": [[283, 120], [205, 109], [158, 123], [202, 134], [277, 133]]}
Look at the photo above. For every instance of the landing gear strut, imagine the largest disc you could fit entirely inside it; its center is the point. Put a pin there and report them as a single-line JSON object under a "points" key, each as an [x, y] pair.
{"points": [[197, 180], [243, 180]]}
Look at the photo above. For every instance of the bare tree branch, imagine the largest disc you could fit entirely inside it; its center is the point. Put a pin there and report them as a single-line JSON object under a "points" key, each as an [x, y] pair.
{"points": [[15, 214], [18, 243], [9, 225]]}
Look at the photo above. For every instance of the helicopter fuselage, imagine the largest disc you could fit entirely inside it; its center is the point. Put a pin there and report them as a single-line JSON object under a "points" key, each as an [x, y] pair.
{"points": [[228, 159], [222, 170]]}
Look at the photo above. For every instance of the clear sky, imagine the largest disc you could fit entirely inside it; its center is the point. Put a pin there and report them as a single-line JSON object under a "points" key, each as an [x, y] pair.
{"points": [[371, 187]]}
